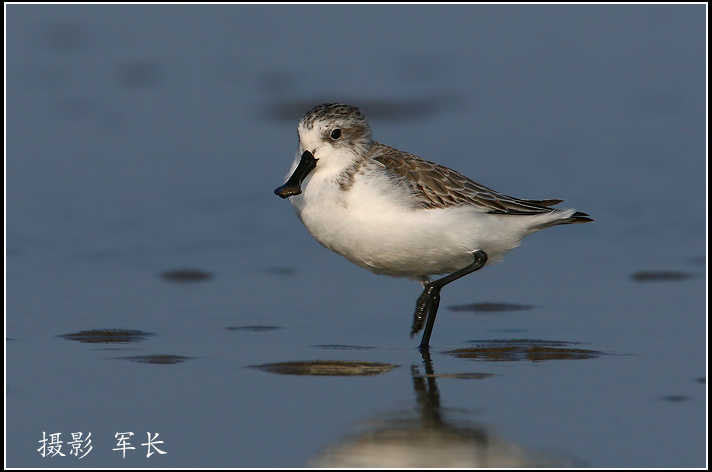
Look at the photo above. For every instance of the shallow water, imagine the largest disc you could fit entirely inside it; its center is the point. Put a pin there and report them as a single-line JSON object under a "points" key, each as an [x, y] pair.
{"points": [[150, 267]]}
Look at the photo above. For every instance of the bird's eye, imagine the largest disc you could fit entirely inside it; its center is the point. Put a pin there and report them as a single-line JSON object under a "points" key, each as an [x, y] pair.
{"points": [[336, 134]]}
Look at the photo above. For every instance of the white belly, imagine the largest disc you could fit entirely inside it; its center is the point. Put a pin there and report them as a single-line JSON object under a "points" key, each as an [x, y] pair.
{"points": [[374, 228]]}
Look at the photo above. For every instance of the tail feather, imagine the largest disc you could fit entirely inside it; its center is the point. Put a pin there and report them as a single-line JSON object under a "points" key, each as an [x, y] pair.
{"points": [[575, 217], [578, 217], [554, 216]]}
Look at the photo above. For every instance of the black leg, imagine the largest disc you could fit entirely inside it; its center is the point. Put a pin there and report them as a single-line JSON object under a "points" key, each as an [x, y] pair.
{"points": [[432, 313], [422, 307], [429, 300]]}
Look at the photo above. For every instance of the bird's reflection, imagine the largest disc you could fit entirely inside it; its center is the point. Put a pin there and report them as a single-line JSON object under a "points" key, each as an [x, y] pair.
{"points": [[428, 436]]}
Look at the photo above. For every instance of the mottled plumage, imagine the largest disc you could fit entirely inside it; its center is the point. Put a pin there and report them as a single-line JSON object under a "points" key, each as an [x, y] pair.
{"points": [[436, 186]]}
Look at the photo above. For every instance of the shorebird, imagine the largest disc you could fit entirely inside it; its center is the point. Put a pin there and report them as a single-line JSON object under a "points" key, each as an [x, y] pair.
{"points": [[397, 214]]}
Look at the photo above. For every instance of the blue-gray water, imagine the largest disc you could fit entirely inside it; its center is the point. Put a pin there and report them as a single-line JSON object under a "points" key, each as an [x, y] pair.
{"points": [[148, 139]]}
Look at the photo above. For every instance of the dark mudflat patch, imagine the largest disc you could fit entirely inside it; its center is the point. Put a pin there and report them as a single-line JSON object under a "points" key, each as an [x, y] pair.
{"points": [[157, 359], [108, 336], [660, 276], [253, 328], [186, 275], [326, 368], [342, 347], [491, 307], [675, 398], [522, 349]]}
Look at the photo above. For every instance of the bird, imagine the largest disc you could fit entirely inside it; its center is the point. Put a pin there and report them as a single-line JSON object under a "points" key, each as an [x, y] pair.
{"points": [[397, 214]]}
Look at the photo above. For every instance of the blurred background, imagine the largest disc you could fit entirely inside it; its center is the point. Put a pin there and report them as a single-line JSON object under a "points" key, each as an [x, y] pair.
{"points": [[155, 284]]}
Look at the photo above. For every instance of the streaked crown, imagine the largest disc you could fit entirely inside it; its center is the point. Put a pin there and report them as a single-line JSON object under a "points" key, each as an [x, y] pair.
{"points": [[325, 118]]}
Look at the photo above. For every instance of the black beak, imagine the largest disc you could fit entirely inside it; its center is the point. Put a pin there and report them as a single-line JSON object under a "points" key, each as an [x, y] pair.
{"points": [[293, 185]]}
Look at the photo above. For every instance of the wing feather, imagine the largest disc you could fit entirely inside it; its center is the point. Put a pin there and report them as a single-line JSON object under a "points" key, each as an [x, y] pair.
{"points": [[436, 186]]}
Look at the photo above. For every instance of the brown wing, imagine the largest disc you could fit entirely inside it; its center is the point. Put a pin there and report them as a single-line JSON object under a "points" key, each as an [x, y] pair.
{"points": [[436, 186]]}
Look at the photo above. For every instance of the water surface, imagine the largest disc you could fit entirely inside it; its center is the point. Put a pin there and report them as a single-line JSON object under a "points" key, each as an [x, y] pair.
{"points": [[143, 145]]}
